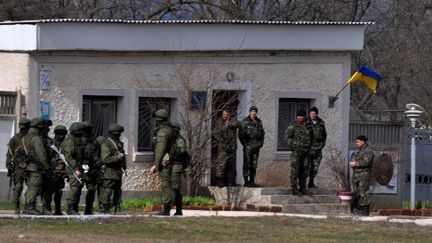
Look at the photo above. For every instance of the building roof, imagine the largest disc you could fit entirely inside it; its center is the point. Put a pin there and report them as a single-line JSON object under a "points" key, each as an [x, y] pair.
{"points": [[179, 35], [122, 21]]}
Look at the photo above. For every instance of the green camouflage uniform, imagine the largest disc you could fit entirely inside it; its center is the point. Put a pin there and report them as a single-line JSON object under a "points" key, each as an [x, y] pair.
{"points": [[47, 179], [93, 161], [298, 136], [38, 164], [111, 151], [58, 168], [180, 159], [72, 150], [361, 176], [251, 135], [162, 147], [226, 139], [12, 164], [319, 136]]}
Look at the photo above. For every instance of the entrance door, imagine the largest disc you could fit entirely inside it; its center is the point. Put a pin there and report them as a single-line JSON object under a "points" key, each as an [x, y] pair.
{"points": [[100, 112], [223, 99]]}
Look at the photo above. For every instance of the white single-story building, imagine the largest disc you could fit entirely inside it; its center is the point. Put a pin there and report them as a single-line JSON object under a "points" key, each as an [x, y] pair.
{"points": [[121, 71]]}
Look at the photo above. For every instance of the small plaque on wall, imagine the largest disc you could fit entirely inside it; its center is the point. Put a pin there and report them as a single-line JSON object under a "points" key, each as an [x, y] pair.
{"points": [[45, 80]]}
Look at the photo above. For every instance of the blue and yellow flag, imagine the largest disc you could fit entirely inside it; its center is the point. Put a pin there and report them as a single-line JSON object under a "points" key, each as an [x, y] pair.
{"points": [[369, 77]]}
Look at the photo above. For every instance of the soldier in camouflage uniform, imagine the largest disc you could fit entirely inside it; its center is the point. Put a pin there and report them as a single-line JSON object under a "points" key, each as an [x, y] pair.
{"points": [[162, 164], [251, 135], [319, 136], [72, 150], [298, 136], [180, 159], [47, 180], [15, 172], [38, 164], [114, 158], [92, 164], [361, 163], [226, 140], [59, 168]]}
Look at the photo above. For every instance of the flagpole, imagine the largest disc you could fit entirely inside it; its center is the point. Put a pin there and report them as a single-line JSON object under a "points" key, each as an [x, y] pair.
{"points": [[332, 99]]}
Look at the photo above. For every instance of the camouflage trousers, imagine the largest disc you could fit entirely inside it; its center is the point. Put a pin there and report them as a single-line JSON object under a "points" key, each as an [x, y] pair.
{"points": [[19, 179], [165, 176], [75, 188], [176, 181], [34, 186], [250, 161], [299, 169], [361, 183], [223, 158], [315, 160], [111, 188]]}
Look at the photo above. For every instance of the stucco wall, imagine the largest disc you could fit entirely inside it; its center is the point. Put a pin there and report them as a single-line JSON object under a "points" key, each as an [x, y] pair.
{"points": [[14, 70], [269, 78]]}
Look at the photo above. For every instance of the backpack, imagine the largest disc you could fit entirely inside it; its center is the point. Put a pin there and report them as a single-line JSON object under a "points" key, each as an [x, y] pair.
{"points": [[179, 152]]}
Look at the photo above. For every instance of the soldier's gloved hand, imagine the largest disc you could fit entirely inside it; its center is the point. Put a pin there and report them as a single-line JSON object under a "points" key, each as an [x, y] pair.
{"points": [[120, 155], [86, 168]]}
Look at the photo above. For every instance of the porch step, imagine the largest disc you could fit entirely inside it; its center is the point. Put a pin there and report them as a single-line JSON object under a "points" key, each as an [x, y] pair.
{"points": [[314, 199], [288, 191], [316, 208]]}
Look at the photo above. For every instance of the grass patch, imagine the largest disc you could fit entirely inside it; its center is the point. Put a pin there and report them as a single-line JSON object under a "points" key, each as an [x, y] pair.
{"points": [[212, 229], [132, 204]]}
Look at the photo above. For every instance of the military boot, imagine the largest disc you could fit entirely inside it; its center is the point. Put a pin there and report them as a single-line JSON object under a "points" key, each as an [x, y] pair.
{"points": [[252, 180], [17, 208], [88, 208], [47, 209], [305, 192], [71, 210], [178, 204], [57, 210], [296, 192], [105, 209], [246, 181], [117, 210], [311, 182], [32, 210], [164, 212]]}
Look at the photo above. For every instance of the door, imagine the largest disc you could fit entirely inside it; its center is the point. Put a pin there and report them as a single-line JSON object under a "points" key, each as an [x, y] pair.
{"points": [[223, 99], [100, 112]]}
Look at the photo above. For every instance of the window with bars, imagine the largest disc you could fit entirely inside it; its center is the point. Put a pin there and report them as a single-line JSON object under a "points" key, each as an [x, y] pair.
{"points": [[146, 122], [7, 102], [287, 113]]}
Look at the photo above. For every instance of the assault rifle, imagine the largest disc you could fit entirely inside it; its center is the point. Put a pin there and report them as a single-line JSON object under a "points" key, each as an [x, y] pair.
{"points": [[63, 159]]}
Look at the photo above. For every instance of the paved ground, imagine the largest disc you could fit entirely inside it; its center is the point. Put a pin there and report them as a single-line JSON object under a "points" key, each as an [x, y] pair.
{"points": [[422, 221]]}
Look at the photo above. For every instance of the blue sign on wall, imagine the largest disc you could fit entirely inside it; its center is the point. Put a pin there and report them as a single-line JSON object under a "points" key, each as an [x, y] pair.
{"points": [[45, 109]]}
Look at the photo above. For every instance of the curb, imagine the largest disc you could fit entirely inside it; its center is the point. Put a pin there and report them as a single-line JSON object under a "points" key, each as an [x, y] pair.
{"points": [[247, 207]]}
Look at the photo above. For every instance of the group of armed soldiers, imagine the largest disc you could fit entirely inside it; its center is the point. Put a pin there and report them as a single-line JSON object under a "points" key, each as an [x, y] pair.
{"points": [[43, 164]]}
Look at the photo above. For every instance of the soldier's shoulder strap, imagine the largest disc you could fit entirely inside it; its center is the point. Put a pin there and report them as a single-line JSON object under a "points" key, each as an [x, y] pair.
{"points": [[24, 146], [114, 144]]}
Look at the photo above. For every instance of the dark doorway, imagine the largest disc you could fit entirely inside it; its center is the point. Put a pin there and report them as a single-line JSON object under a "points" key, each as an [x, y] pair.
{"points": [[100, 112], [223, 99]]}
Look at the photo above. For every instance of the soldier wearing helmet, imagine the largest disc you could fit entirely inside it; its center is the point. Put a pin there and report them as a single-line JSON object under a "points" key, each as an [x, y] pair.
{"points": [[91, 164], [114, 158], [162, 163], [15, 172], [72, 150], [47, 179], [59, 170], [38, 164]]}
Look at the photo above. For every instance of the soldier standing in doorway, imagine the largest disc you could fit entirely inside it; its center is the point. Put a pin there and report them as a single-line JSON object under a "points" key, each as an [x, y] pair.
{"points": [[251, 135], [361, 164], [298, 136], [226, 140], [319, 136], [72, 150], [114, 158], [15, 166]]}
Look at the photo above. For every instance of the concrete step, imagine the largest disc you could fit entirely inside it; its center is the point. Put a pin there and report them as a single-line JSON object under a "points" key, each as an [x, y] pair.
{"points": [[316, 208], [314, 199], [288, 191]]}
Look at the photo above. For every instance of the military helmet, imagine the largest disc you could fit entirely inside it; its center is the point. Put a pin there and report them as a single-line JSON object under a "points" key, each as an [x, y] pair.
{"points": [[76, 126], [47, 123], [176, 125], [24, 123], [37, 122], [115, 128], [253, 108], [60, 129], [161, 115], [87, 124]]}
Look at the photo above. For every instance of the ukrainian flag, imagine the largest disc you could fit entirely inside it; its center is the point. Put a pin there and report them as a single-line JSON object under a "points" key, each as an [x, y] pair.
{"points": [[369, 77]]}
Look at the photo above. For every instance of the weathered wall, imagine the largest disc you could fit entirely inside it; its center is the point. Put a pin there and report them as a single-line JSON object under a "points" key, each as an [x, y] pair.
{"points": [[269, 77]]}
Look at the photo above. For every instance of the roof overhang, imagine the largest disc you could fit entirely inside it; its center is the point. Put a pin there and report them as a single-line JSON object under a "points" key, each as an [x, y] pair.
{"points": [[123, 35]]}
